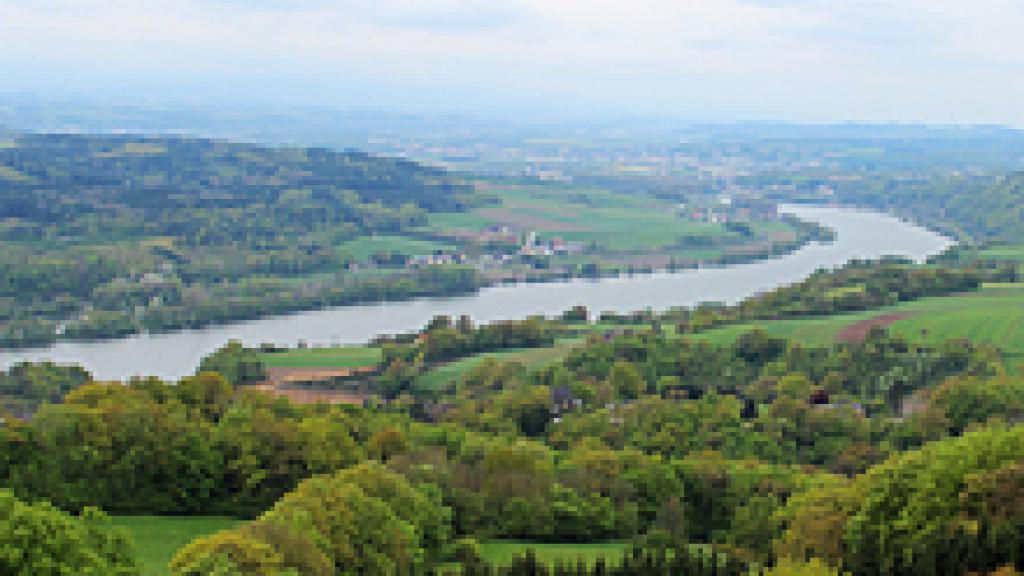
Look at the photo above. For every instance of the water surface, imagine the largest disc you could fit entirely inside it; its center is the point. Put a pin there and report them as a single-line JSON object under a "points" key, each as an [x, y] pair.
{"points": [[859, 234]]}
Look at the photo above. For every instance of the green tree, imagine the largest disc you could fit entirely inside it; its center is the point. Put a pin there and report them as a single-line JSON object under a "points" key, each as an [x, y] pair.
{"points": [[626, 380], [239, 365], [40, 540]]}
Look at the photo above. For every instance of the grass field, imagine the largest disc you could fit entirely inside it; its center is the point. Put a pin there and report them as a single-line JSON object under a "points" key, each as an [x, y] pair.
{"points": [[1011, 253], [364, 247], [993, 315], [503, 551], [336, 357], [617, 222], [529, 357], [157, 538]]}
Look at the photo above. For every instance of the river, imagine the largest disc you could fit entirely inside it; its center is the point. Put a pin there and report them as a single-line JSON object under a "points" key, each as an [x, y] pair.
{"points": [[859, 234]]}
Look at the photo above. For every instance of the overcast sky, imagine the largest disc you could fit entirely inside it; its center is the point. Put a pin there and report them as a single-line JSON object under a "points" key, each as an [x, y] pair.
{"points": [[943, 61]]}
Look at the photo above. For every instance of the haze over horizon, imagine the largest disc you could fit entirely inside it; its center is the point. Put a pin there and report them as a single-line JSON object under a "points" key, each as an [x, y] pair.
{"points": [[935, 61]]}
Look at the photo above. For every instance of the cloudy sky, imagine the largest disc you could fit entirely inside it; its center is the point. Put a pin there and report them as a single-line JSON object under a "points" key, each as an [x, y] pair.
{"points": [[944, 61]]}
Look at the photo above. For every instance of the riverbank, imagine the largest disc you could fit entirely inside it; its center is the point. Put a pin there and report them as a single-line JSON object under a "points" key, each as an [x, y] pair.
{"points": [[859, 234]]}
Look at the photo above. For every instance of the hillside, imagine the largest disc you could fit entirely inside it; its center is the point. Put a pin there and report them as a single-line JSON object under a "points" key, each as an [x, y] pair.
{"points": [[103, 236]]}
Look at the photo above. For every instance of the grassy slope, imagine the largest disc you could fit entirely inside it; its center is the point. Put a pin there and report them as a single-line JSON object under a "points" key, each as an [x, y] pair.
{"points": [[529, 357], [339, 357], [993, 315], [157, 538]]}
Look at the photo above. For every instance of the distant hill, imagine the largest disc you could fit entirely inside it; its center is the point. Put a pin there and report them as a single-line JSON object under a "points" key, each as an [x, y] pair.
{"points": [[106, 235], [53, 180]]}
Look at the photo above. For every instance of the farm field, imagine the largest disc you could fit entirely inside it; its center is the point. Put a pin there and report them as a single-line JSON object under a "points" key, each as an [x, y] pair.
{"points": [[528, 357], [993, 315], [364, 247], [1012, 253], [157, 538], [614, 222], [334, 357], [503, 551]]}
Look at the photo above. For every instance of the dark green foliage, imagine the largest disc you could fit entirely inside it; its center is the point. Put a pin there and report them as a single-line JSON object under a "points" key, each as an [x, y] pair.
{"points": [[678, 561], [26, 385], [105, 236], [239, 365]]}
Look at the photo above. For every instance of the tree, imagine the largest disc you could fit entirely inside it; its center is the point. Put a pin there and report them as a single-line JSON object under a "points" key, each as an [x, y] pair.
{"points": [[626, 380], [229, 553], [40, 540], [239, 365]]}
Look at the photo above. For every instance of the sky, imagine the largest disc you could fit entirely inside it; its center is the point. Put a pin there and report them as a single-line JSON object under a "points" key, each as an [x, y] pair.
{"points": [[935, 61]]}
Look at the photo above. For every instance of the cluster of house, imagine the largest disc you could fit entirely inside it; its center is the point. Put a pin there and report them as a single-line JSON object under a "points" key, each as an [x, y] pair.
{"points": [[726, 210], [534, 246], [529, 245]]}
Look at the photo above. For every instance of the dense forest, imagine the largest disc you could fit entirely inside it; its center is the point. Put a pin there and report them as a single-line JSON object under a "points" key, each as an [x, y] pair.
{"points": [[109, 235], [883, 455], [975, 208]]}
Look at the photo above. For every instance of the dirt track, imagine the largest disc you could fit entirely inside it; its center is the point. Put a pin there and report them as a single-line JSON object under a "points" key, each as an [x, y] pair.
{"points": [[858, 331]]}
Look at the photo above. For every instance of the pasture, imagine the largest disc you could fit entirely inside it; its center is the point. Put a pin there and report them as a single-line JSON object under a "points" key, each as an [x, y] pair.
{"points": [[1006, 253], [157, 538], [530, 358], [333, 357], [993, 315], [611, 221], [364, 247]]}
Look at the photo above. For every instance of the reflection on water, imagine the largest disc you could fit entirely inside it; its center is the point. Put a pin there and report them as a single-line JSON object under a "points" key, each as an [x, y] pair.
{"points": [[860, 234]]}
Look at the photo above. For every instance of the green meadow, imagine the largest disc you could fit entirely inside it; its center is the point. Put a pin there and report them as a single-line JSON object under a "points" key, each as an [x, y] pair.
{"points": [[530, 358], [157, 538], [614, 222], [334, 357], [993, 315]]}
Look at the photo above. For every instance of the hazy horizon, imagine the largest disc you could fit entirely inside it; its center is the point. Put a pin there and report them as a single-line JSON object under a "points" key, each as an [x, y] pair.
{"points": [[795, 61]]}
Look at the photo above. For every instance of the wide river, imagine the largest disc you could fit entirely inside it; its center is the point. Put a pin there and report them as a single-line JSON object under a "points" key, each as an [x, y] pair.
{"points": [[859, 234]]}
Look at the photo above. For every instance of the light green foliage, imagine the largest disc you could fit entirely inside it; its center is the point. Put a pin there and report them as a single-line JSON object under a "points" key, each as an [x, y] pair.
{"points": [[40, 540], [924, 510], [364, 520]]}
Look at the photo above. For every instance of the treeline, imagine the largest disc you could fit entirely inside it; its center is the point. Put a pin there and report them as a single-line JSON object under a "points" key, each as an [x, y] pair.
{"points": [[859, 285]]}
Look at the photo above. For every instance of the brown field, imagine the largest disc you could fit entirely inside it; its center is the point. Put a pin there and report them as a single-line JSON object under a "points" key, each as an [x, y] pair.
{"points": [[312, 395], [859, 330], [285, 382]]}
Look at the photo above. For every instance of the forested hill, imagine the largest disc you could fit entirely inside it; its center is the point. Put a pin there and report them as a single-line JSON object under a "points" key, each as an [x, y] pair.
{"points": [[978, 208], [102, 236], [65, 181]]}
